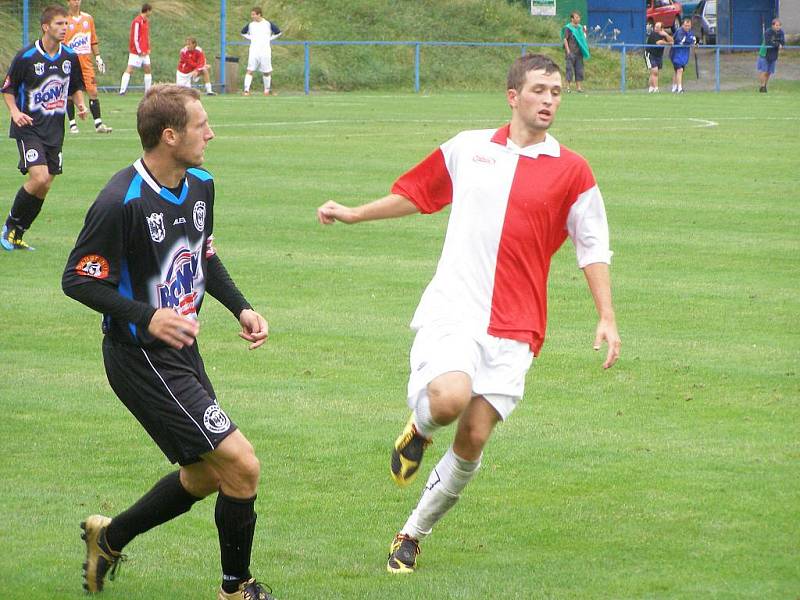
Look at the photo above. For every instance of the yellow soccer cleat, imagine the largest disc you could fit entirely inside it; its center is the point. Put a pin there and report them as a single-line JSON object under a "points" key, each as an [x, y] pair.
{"points": [[407, 454], [99, 557], [402, 555]]}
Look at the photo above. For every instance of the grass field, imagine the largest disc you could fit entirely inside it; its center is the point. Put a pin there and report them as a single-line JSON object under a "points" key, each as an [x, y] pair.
{"points": [[674, 475]]}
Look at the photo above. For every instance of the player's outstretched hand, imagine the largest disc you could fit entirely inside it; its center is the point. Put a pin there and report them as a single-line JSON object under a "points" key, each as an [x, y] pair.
{"points": [[254, 328], [607, 331], [173, 329], [331, 211], [21, 119], [82, 111]]}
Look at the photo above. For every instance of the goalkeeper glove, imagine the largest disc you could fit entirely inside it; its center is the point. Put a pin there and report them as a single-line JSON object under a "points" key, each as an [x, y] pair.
{"points": [[101, 66]]}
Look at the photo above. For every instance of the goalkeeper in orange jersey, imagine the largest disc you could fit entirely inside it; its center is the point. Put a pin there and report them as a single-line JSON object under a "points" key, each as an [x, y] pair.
{"points": [[82, 38]]}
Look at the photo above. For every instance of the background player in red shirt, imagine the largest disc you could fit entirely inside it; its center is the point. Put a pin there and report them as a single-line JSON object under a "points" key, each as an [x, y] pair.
{"points": [[191, 63], [82, 38], [139, 50], [516, 195]]}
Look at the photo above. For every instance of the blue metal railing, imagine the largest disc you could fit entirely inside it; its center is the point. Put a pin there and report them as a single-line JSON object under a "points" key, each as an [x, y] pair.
{"points": [[622, 48]]}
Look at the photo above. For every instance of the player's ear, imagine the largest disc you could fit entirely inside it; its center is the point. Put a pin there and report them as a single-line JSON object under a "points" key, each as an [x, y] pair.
{"points": [[511, 95], [169, 136]]}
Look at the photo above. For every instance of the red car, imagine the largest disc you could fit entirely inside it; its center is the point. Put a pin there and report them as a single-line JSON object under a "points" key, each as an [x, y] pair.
{"points": [[666, 12]]}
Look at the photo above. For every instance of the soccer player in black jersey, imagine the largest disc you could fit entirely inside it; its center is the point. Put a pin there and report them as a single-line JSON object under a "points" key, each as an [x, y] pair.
{"points": [[144, 259], [40, 79]]}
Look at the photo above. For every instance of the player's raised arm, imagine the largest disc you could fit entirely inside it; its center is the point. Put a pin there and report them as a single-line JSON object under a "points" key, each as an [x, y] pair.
{"points": [[388, 207]]}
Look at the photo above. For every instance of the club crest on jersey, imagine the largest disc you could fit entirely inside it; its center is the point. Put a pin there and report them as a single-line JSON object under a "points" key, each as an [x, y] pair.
{"points": [[199, 215], [178, 291], [66, 66], [38, 68], [215, 419], [155, 223]]}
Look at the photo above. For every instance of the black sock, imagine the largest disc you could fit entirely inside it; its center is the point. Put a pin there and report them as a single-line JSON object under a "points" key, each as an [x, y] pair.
{"points": [[94, 106], [165, 501], [24, 211], [71, 111], [236, 524]]}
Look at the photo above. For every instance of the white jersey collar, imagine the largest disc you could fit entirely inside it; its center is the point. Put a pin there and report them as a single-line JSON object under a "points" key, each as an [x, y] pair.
{"points": [[549, 146]]}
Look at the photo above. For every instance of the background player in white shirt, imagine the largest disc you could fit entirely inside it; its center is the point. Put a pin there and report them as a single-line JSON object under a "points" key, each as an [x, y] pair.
{"points": [[516, 195], [260, 32]]}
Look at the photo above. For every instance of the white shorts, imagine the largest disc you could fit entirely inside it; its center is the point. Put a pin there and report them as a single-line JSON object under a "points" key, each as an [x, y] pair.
{"points": [[260, 62], [134, 60], [497, 366], [185, 79]]}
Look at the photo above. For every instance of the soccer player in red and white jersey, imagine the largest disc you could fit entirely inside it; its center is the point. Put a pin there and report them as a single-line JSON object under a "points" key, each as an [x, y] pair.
{"points": [[192, 63], [139, 50], [82, 38], [516, 194]]}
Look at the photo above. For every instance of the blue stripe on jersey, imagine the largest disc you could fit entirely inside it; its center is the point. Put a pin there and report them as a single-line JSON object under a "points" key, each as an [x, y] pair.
{"points": [[30, 52], [134, 189], [125, 289], [170, 197], [201, 174], [69, 50]]}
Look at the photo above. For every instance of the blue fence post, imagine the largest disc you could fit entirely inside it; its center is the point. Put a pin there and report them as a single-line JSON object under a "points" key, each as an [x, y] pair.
{"points": [[25, 14], [523, 48], [716, 68], [307, 68], [223, 43], [623, 57], [416, 67]]}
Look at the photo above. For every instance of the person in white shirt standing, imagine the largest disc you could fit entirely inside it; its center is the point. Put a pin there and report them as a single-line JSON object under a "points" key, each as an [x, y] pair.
{"points": [[260, 32], [515, 194]]}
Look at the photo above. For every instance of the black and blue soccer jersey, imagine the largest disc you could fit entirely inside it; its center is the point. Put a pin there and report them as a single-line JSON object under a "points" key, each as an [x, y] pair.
{"points": [[40, 84], [150, 243]]}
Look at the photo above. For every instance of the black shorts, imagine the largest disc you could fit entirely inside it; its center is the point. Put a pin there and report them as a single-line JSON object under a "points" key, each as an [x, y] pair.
{"points": [[170, 394], [653, 61], [34, 151]]}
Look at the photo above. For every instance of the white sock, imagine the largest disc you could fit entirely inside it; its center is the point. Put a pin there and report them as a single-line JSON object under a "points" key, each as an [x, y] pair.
{"points": [[422, 418], [674, 88], [208, 87], [248, 80], [123, 85], [267, 82], [445, 483], [72, 123], [148, 81]]}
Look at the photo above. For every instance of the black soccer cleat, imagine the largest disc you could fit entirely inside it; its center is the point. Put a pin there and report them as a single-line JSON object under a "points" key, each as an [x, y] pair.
{"points": [[407, 454], [248, 590], [100, 559], [402, 554]]}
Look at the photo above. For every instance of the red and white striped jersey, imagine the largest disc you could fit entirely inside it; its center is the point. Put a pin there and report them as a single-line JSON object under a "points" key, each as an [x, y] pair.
{"points": [[139, 41], [512, 208]]}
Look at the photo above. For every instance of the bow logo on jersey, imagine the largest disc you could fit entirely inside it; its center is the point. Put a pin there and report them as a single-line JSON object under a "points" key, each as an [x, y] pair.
{"points": [[155, 223], [178, 289]]}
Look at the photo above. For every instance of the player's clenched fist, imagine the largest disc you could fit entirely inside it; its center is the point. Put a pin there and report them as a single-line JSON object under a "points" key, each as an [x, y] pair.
{"points": [[331, 211]]}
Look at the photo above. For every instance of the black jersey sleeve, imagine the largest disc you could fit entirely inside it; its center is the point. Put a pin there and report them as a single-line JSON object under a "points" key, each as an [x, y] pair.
{"points": [[97, 263], [220, 285], [14, 77]]}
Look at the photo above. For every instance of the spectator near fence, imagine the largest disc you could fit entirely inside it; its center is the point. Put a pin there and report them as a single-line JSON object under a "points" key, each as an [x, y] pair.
{"points": [[654, 54], [679, 53], [774, 40], [573, 34]]}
